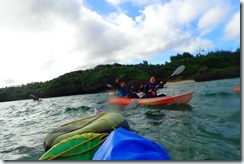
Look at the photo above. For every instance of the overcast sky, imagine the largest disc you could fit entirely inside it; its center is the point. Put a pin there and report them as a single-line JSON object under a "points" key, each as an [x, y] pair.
{"points": [[43, 39]]}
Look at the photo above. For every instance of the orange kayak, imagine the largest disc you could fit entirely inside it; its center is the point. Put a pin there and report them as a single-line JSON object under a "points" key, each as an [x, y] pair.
{"points": [[237, 89], [182, 98]]}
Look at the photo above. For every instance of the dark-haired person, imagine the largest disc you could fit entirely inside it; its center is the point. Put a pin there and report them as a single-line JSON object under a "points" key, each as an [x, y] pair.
{"points": [[150, 89], [123, 91]]}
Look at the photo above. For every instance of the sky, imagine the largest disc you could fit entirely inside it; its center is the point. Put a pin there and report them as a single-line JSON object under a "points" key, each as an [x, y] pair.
{"points": [[43, 39]]}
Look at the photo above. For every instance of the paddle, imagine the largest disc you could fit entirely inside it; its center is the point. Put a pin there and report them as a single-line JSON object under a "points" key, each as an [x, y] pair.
{"points": [[176, 72], [111, 90], [135, 102], [109, 86], [140, 94], [34, 97]]}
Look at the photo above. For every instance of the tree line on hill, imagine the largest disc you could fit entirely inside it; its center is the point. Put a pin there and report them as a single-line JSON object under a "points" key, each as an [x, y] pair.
{"points": [[201, 67]]}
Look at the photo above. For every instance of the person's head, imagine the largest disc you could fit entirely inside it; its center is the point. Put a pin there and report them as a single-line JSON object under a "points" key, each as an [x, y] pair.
{"points": [[152, 79], [117, 80], [123, 84]]}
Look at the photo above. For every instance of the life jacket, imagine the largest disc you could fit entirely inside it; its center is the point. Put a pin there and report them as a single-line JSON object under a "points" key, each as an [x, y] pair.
{"points": [[152, 87], [122, 92]]}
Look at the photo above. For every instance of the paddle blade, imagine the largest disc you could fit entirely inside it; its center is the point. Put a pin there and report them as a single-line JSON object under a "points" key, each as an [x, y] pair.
{"points": [[109, 86], [141, 94], [178, 70], [132, 104], [33, 96]]}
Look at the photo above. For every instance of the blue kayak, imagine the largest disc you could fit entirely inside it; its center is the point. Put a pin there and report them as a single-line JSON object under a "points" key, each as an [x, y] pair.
{"points": [[122, 144]]}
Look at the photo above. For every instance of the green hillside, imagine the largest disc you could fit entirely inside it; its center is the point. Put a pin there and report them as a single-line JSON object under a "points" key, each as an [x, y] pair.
{"points": [[211, 66]]}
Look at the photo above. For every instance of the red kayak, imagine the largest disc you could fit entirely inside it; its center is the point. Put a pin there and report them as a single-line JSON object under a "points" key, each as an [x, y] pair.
{"points": [[182, 98], [237, 89]]}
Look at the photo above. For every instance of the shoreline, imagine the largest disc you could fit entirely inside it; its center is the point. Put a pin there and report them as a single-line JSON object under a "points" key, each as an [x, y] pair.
{"points": [[180, 82]]}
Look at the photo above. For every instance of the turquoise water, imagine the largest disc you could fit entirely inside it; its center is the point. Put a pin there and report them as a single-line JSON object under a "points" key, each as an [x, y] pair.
{"points": [[207, 128]]}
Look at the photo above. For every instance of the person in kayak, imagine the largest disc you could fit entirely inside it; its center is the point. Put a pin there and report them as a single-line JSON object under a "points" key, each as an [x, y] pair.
{"points": [[123, 91], [141, 88], [150, 89]]}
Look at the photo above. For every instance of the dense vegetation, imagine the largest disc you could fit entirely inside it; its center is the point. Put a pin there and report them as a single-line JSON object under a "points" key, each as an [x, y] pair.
{"points": [[211, 66]]}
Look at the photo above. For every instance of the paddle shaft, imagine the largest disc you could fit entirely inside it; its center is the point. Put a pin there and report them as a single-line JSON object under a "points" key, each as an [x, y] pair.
{"points": [[177, 71], [165, 80]]}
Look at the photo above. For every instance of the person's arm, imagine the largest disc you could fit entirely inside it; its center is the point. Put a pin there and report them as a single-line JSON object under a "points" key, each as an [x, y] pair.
{"points": [[161, 84], [116, 84], [146, 89]]}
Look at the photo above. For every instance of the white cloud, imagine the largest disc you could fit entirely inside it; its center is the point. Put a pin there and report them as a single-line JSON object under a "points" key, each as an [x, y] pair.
{"points": [[44, 39], [232, 29], [161, 27], [135, 2], [212, 18], [28, 39], [98, 39], [115, 2]]}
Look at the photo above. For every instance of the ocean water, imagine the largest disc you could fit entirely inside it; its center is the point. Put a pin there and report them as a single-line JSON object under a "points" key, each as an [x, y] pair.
{"points": [[207, 128]]}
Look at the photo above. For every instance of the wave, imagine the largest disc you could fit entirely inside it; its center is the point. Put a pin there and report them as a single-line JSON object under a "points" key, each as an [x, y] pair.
{"points": [[84, 108], [217, 94]]}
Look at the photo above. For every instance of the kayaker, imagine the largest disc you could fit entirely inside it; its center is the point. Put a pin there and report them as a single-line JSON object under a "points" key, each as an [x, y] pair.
{"points": [[141, 88], [123, 91], [150, 89], [133, 89], [117, 83]]}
